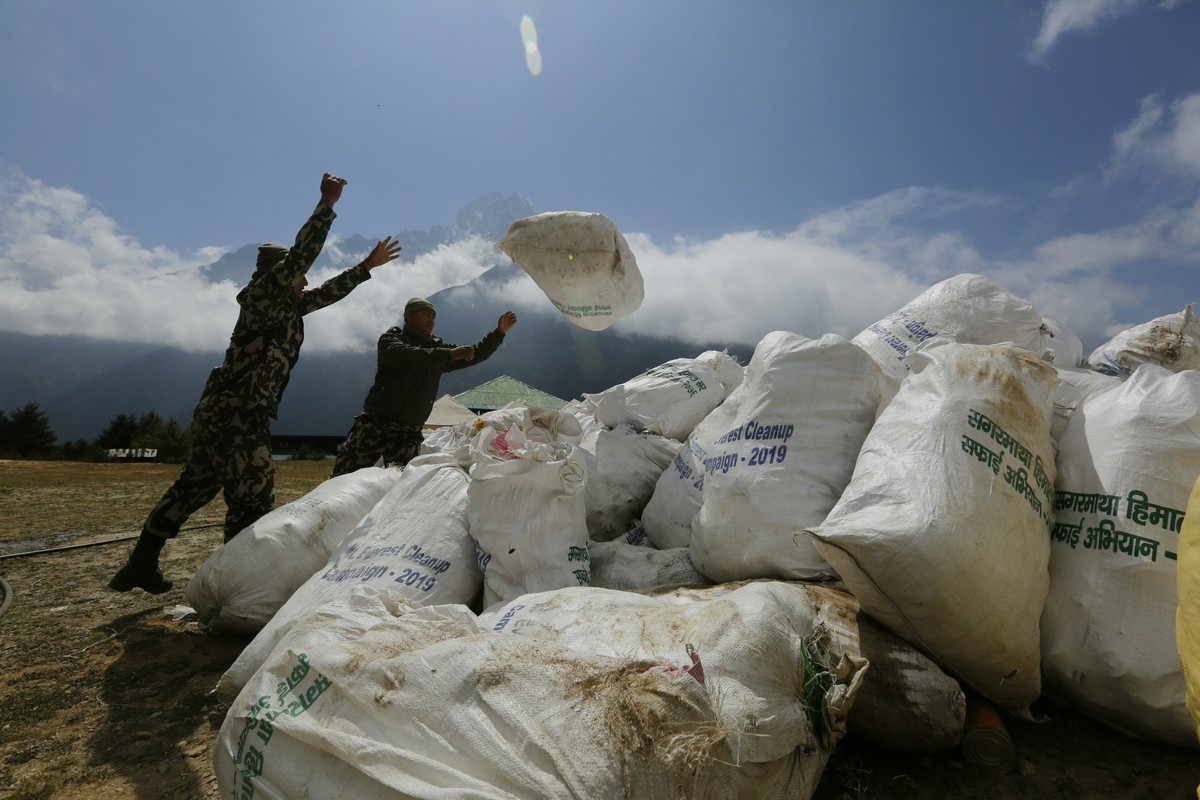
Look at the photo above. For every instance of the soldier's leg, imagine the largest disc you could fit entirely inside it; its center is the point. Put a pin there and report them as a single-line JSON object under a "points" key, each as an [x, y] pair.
{"points": [[248, 478], [404, 445], [365, 444], [195, 487]]}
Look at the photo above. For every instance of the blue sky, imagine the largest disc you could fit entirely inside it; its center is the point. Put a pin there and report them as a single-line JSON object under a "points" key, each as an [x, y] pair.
{"points": [[807, 166]]}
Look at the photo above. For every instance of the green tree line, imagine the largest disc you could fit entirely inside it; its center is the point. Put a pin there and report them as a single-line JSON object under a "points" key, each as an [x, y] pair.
{"points": [[26, 433]]}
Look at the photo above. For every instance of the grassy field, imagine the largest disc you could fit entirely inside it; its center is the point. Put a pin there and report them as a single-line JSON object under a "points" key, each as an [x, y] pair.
{"points": [[66, 502], [107, 695]]}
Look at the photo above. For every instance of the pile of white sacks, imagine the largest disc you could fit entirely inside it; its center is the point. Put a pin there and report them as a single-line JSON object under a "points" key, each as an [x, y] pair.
{"points": [[694, 583]]}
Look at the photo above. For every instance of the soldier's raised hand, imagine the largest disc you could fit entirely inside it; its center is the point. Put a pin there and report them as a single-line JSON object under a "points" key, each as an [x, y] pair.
{"points": [[331, 189], [507, 320], [383, 252]]}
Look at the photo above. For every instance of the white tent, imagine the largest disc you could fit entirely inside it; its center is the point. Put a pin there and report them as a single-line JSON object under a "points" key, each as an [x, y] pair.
{"points": [[448, 411]]}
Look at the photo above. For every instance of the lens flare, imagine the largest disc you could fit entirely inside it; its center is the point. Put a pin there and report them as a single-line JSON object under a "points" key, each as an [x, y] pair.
{"points": [[533, 58]]}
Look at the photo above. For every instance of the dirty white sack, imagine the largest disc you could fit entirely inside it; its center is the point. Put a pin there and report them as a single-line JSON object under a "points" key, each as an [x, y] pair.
{"points": [[1126, 467], [1171, 341], [943, 532], [414, 544], [526, 511], [803, 412], [243, 583], [581, 261]]}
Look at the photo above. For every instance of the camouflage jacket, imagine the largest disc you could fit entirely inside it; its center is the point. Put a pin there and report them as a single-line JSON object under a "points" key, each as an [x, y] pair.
{"points": [[246, 389], [409, 370]]}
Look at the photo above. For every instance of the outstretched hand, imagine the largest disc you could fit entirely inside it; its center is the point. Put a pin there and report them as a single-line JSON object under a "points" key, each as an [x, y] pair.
{"points": [[383, 252], [507, 320], [331, 189]]}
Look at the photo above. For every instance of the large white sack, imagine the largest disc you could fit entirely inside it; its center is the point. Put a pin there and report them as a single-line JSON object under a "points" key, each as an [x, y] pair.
{"points": [[757, 670], [526, 511], [668, 515], [1172, 341], [395, 709], [622, 565], [581, 261], [1074, 386], [1126, 467], [243, 583], [943, 532], [669, 399], [967, 308], [536, 424], [623, 468], [728, 370], [906, 703], [413, 544], [1065, 348], [803, 412]]}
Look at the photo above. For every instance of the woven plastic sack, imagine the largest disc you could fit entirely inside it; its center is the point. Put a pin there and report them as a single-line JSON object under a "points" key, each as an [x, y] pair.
{"points": [[758, 670], [803, 412], [668, 516], [1126, 467], [243, 583], [623, 468], [669, 399], [1171, 342], [366, 701], [581, 261], [943, 534], [968, 308], [414, 545], [527, 514]]}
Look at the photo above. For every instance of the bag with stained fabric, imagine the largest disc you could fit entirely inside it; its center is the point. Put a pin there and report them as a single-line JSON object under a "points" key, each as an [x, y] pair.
{"points": [[581, 261], [966, 308], [623, 467], [413, 544], [943, 533], [244, 583], [1171, 342]]}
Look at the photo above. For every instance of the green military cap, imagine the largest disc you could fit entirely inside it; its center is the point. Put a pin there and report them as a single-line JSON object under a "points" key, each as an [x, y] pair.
{"points": [[270, 254], [418, 304]]}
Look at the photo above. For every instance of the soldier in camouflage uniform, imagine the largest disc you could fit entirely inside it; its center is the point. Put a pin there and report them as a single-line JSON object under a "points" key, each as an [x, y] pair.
{"points": [[410, 364], [231, 426]]}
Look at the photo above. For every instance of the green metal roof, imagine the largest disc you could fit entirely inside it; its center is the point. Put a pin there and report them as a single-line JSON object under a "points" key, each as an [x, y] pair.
{"points": [[499, 392]]}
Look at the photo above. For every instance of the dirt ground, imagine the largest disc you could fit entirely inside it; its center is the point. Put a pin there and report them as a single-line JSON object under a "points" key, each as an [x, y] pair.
{"points": [[108, 695]]}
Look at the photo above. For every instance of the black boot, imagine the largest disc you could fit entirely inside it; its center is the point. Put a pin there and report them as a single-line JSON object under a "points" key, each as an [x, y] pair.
{"points": [[141, 570]]}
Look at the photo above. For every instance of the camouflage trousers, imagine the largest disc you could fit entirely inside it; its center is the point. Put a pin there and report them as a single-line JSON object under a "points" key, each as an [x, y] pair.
{"points": [[229, 459], [371, 439]]}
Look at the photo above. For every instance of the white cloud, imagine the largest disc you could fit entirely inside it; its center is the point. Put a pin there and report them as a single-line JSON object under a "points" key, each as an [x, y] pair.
{"points": [[1183, 140], [1161, 137], [66, 268], [378, 304], [1060, 17], [744, 285]]}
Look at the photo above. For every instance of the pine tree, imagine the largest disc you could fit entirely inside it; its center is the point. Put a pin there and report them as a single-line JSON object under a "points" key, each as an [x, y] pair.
{"points": [[26, 433]]}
